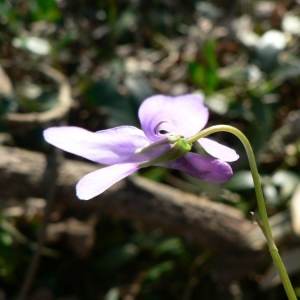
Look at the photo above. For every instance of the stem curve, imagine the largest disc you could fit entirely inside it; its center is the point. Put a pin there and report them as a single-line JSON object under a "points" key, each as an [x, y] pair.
{"points": [[260, 201]]}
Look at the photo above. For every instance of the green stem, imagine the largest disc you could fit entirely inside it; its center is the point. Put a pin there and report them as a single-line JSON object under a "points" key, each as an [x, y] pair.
{"points": [[260, 201]]}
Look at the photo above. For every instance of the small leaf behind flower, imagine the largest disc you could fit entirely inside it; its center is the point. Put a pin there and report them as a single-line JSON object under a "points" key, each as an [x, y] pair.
{"points": [[241, 180]]}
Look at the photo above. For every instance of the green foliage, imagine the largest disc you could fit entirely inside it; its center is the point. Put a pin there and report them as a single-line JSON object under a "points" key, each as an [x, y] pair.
{"points": [[121, 108], [112, 294], [156, 272], [45, 10], [117, 257], [204, 74]]}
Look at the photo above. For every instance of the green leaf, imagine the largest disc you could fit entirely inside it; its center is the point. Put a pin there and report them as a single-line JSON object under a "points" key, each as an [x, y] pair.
{"points": [[6, 239], [205, 75], [159, 270], [118, 256], [288, 69], [218, 103], [46, 10], [122, 110], [286, 181], [241, 180], [262, 123], [139, 88], [197, 73], [126, 22], [155, 173], [112, 294], [171, 245]]}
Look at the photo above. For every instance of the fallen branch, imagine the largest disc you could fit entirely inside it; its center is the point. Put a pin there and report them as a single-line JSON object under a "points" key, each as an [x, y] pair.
{"points": [[213, 226], [205, 222]]}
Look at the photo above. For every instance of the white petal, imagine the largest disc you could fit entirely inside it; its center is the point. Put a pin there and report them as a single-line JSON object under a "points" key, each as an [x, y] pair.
{"points": [[217, 150], [98, 181]]}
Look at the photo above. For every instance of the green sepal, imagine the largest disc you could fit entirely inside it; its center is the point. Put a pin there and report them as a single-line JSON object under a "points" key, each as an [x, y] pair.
{"points": [[170, 139], [178, 149]]}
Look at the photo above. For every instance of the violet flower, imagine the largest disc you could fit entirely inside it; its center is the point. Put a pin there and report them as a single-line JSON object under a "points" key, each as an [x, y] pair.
{"points": [[166, 122]]}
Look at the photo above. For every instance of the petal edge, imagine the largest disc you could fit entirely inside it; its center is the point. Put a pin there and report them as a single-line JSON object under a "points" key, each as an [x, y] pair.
{"points": [[95, 183], [218, 150], [115, 145]]}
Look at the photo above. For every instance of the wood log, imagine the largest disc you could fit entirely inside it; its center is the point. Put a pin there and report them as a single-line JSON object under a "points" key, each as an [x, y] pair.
{"points": [[213, 226], [203, 221]]}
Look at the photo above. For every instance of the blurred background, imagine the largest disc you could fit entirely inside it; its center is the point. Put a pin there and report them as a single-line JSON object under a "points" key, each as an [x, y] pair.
{"points": [[91, 64]]}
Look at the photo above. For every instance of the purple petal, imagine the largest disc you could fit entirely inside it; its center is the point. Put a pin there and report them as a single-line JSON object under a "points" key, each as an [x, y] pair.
{"points": [[217, 150], [183, 115], [98, 181], [205, 168], [109, 146]]}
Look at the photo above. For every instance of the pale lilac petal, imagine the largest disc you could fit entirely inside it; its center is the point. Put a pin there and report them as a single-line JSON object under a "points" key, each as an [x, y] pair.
{"points": [[183, 115], [109, 146], [217, 150], [98, 181], [205, 168]]}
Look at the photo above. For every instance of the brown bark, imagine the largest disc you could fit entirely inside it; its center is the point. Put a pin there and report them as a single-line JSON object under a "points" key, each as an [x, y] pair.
{"points": [[197, 218], [213, 226]]}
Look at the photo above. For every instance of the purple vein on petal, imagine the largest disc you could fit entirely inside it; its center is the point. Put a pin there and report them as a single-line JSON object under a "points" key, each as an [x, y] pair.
{"points": [[217, 150], [109, 146], [205, 168], [98, 181]]}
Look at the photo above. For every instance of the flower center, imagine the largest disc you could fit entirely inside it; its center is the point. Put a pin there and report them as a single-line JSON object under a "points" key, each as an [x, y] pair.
{"points": [[163, 132], [163, 129]]}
